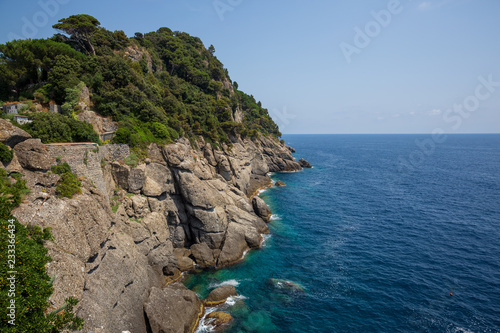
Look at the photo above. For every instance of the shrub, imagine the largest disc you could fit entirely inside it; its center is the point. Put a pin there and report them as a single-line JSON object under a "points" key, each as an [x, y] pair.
{"points": [[61, 168], [68, 186], [132, 160], [6, 154], [33, 285]]}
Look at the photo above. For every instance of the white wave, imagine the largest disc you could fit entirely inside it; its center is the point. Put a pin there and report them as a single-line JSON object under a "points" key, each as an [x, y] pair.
{"points": [[259, 192], [231, 282], [265, 237], [231, 300], [275, 217]]}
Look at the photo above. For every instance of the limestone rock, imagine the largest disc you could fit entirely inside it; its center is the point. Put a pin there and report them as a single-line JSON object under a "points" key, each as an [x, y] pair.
{"points": [[33, 155], [121, 174], [279, 183], [173, 309], [303, 163], [151, 188], [137, 178], [261, 208], [203, 255], [185, 263], [11, 135], [220, 295]]}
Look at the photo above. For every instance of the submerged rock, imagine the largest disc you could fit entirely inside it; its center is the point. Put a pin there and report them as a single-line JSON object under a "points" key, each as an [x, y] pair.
{"points": [[279, 183], [219, 318], [285, 285]]}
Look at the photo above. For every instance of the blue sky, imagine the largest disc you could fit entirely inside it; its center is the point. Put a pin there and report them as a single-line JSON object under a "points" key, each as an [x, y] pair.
{"points": [[326, 66]]}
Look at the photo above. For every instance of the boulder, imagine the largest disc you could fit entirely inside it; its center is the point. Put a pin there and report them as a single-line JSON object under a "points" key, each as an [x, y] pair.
{"points": [[184, 262], [303, 163], [137, 178], [261, 208], [203, 255], [11, 135], [151, 188], [173, 309], [220, 295], [121, 174], [279, 183], [33, 155]]}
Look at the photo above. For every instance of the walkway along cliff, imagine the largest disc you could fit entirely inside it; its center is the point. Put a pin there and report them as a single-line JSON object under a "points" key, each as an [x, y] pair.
{"points": [[121, 244]]}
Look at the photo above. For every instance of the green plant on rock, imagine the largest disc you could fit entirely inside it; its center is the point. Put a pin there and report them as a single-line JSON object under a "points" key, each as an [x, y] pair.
{"points": [[6, 154], [68, 186], [132, 160], [33, 286]]}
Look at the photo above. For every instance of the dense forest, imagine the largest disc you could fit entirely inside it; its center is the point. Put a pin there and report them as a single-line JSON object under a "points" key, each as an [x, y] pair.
{"points": [[157, 86]]}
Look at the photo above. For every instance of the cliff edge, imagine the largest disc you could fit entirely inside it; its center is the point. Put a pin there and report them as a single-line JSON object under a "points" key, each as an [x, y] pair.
{"points": [[121, 244]]}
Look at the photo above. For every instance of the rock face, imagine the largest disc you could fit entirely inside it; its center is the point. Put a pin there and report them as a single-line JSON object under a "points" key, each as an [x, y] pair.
{"points": [[220, 295], [303, 163], [261, 209], [173, 309], [184, 208], [11, 135], [33, 155]]}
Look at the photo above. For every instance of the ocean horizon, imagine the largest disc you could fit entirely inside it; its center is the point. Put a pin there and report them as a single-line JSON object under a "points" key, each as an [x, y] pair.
{"points": [[360, 243]]}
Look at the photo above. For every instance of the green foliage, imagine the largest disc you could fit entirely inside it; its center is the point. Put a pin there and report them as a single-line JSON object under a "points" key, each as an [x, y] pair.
{"points": [[60, 169], [54, 127], [132, 160], [33, 286], [68, 185], [6, 154], [81, 28], [174, 86]]}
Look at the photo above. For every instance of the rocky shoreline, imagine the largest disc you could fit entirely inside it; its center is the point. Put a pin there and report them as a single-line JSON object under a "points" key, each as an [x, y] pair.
{"points": [[121, 245]]}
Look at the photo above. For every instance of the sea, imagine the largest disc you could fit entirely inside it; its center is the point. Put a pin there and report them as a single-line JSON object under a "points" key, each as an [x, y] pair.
{"points": [[386, 233]]}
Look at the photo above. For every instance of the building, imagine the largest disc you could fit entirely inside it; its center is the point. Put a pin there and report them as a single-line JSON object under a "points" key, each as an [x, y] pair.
{"points": [[21, 120], [13, 108], [55, 108]]}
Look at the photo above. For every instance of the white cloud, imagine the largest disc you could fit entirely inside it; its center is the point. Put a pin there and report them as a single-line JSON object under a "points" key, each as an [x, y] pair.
{"points": [[425, 5], [435, 112]]}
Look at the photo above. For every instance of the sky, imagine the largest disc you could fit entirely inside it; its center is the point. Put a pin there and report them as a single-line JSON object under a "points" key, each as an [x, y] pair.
{"points": [[318, 66]]}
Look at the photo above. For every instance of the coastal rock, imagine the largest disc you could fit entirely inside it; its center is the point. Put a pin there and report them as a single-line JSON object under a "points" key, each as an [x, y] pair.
{"points": [[185, 264], [279, 183], [11, 135], [203, 255], [261, 208], [137, 178], [174, 309], [220, 295], [162, 176], [151, 188], [33, 155], [303, 163], [219, 318], [121, 174]]}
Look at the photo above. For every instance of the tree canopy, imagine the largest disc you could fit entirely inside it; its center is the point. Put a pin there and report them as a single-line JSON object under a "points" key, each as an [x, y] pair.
{"points": [[82, 27]]}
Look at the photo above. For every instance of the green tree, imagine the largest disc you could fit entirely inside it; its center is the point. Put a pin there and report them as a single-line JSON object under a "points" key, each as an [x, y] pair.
{"points": [[81, 27]]}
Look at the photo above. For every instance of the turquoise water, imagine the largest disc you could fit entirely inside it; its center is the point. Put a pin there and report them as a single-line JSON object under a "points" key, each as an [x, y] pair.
{"points": [[376, 246]]}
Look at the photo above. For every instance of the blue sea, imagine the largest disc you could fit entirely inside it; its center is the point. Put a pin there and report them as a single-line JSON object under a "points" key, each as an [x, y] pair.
{"points": [[387, 233]]}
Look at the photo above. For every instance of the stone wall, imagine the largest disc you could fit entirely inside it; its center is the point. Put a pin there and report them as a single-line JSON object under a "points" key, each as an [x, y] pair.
{"points": [[88, 159]]}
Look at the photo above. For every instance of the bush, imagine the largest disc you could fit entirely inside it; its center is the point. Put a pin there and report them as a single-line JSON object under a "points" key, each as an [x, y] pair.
{"points": [[132, 160], [61, 168], [68, 185], [6, 154], [33, 285]]}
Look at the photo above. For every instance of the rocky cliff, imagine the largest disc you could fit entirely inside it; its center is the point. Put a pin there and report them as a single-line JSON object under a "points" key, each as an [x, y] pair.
{"points": [[120, 244]]}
